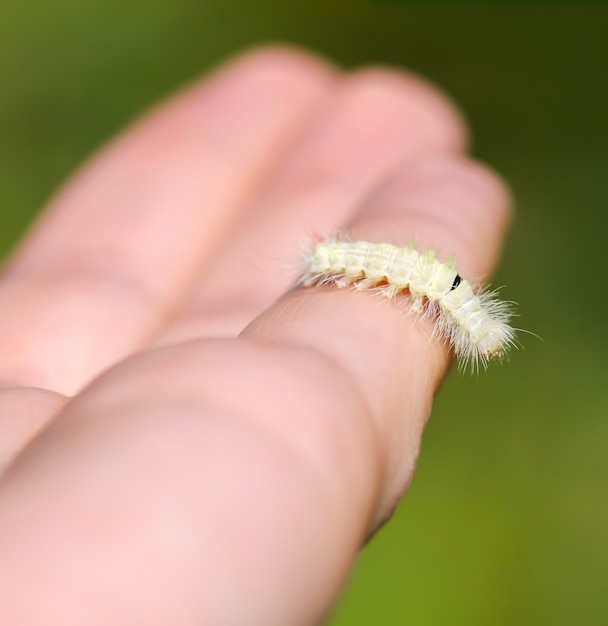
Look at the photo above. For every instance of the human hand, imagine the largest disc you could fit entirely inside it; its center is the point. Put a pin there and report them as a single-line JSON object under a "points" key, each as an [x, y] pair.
{"points": [[227, 444]]}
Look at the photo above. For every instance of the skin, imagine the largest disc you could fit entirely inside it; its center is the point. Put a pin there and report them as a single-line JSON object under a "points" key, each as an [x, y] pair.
{"points": [[183, 438]]}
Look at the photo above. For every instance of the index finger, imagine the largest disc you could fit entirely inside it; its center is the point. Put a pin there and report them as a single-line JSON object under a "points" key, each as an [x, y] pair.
{"points": [[119, 247]]}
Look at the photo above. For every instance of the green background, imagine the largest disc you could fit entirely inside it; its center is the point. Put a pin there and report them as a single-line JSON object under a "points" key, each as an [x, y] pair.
{"points": [[507, 518]]}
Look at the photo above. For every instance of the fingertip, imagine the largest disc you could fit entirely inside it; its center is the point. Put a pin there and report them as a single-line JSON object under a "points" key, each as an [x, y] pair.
{"points": [[446, 201], [281, 65], [437, 118]]}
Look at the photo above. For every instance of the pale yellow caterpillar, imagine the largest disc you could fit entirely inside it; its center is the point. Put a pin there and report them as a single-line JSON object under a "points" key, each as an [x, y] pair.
{"points": [[475, 323]]}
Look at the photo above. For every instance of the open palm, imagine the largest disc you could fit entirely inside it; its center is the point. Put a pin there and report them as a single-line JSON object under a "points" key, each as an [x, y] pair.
{"points": [[183, 438]]}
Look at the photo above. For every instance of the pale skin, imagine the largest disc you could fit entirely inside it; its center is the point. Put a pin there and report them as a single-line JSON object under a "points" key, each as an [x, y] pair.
{"points": [[183, 439]]}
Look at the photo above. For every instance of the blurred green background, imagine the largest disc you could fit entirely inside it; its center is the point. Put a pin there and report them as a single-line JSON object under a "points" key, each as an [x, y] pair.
{"points": [[507, 520]]}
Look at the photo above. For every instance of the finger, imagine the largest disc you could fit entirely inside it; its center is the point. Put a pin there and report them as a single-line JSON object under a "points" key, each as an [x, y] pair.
{"points": [[118, 247], [375, 120], [232, 481], [449, 202]]}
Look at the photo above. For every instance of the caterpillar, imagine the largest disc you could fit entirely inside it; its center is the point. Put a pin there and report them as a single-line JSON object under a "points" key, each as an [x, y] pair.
{"points": [[472, 321]]}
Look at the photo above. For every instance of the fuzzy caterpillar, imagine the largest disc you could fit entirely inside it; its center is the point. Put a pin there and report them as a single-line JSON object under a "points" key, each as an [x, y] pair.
{"points": [[474, 323]]}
